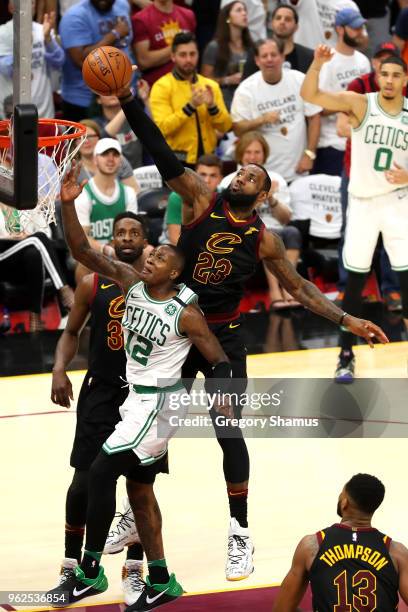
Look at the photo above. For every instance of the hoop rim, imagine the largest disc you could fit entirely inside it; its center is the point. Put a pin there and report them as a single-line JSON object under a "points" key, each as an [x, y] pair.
{"points": [[46, 141]]}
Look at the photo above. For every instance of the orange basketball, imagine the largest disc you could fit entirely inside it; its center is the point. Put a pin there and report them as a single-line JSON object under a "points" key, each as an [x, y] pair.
{"points": [[106, 70]]}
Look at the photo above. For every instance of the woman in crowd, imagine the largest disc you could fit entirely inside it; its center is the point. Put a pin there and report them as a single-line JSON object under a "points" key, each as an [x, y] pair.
{"points": [[224, 57], [252, 148]]}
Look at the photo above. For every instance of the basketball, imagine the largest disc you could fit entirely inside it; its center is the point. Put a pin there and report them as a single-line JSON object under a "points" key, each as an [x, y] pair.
{"points": [[106, 70]]}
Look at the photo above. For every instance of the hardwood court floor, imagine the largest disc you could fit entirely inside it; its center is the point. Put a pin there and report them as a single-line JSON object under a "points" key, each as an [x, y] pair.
{"points": [[293, 490]]}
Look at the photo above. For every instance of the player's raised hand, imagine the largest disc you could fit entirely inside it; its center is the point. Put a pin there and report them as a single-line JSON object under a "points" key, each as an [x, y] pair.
{"points": [[365, 329], [61, 389], [323, 54], [71, 188]]}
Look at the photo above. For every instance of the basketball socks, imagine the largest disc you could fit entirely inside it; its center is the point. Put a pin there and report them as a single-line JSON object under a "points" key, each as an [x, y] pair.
{"points": [[238, 503], [74, 539], [90, 563], [135, 552], [158, 573]]}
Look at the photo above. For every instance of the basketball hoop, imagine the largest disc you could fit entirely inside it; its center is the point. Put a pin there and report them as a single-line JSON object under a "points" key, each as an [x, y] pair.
{"points": [[58, 143]]}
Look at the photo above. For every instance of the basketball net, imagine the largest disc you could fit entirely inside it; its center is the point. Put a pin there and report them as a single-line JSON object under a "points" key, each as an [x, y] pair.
{"points": [[58, 143]]}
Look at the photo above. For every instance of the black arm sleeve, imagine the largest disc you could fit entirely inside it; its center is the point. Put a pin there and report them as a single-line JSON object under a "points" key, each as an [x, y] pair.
{"points": [[151, 137]]}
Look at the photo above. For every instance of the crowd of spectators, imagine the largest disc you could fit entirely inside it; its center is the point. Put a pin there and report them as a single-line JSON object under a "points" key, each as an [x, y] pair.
{"points": [[221, 80]]}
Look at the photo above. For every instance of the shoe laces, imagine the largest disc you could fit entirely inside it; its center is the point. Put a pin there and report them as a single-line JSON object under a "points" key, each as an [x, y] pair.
{"points": [[65, 574], [134, 577], [237, 548], [126, 521]]}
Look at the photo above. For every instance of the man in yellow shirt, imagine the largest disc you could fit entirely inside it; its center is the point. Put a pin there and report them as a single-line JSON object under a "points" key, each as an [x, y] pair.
{"points": [[188, 108]]}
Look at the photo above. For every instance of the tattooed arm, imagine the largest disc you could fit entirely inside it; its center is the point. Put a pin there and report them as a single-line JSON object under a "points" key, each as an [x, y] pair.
{"points": [[81, 250], [273, 253]]}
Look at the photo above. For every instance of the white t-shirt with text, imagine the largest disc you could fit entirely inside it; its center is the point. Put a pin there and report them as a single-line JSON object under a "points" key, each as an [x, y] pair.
{"points": [[317, 197]]}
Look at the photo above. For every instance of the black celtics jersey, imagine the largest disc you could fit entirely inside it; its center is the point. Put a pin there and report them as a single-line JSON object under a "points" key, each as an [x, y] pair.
{"points": [[221, 255], [353, 571], [107, 358]]}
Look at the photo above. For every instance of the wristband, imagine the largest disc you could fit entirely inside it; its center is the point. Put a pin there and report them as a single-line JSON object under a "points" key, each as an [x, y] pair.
{"points": [[342, 318], [311, 154]]}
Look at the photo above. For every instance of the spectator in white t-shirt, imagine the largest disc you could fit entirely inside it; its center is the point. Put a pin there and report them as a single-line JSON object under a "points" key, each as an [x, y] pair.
{"points": [[316, 20], [102, 198], [346, 64], [317, 198], [275, 212], [270, 101], [47, 54]]}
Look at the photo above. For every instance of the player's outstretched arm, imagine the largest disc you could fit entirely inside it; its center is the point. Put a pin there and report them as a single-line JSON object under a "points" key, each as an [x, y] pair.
{"points": [[273, 252], [67, 346], [345, 101], [184, 181], [399, 553], [295, 583], [81, 250]]}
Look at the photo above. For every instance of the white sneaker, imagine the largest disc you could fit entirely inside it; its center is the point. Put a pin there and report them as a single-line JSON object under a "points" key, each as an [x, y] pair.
{"points": [[67, 570], [124, 533], [240, 549], [132, 580]]}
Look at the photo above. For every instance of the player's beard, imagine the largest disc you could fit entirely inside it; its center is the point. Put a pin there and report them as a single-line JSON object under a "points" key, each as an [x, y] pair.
{"points": [[239, 200], [354, 43], [130, 257]]}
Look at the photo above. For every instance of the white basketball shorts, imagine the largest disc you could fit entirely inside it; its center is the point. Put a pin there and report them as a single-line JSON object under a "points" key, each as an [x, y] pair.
{"points": [[144, 415], [366, 219]]}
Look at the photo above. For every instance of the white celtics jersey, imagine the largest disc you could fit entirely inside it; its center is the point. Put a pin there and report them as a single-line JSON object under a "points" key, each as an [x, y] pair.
{"points": [[155, 347], [376, 144]]}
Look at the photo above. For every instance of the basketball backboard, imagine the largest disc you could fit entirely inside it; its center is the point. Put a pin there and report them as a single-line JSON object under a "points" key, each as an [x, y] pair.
{"points": [[18, 157]]}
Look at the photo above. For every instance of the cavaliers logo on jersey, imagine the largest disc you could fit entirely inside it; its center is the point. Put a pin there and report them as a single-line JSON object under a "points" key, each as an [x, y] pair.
{"points": [[222, 242], [117, 307]]}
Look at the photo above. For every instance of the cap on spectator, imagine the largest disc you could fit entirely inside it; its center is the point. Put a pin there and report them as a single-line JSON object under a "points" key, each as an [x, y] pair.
{"points": [[104, 144], [387, 47], [350, 17]]}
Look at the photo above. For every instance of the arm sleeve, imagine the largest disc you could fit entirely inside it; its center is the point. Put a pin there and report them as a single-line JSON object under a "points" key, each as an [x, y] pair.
{"points": [[131, 199], [174, 208], [6, 65], [83, 208], [151, 137], [54, 54]]}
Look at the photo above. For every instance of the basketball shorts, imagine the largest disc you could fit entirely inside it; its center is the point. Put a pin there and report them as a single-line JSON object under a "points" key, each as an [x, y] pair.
{"points": [[146, 425], [97, 414], [366, 219], [231, 337]]}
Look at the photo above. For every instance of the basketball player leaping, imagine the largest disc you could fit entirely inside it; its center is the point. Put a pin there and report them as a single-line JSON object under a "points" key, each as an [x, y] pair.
{"points": [[223, 238], [378, 189], [350, 565], [160, 324]]}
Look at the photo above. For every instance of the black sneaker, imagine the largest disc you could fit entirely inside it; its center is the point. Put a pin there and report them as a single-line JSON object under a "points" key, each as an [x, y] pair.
{"points": [[155, 595], [345, 368], [76, 588]]}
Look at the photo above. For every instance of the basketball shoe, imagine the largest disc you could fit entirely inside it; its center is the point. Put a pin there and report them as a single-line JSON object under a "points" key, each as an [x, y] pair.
{"points": [[132, 580], [77, 587], [124, 533], [155, 595], [240, 550], [345, 368], [67, 570]]}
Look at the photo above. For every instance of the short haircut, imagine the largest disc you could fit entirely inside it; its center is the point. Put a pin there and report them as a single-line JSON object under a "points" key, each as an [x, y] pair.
{"points": [[128, 214], [245, 140], [90, 123], [394, 59], [209, 160], [267, 184], [183, 38], [366, 491], [278, 42], [286, 6], [177, 252]]}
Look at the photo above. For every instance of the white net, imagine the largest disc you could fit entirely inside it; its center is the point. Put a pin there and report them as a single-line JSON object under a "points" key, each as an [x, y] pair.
{"points": [[54, 159]]}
